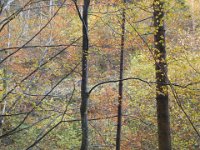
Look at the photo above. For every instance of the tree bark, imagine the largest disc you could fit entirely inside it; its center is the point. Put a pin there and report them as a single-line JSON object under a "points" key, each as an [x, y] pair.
{"points": [[193, 15], [84, 85], [162, 99], [4, 85], [119, 118]]}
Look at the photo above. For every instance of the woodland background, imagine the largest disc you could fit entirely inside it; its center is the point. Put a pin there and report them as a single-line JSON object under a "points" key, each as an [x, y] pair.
{"points": [[40, 74]]}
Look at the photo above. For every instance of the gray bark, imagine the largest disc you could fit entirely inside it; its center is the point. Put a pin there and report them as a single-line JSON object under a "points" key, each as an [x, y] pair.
{"points": [[84, 85]]}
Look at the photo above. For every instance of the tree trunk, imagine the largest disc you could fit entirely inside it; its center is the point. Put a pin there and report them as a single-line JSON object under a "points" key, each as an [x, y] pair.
{"points": [[84, 85], [119, 119], [4, 85], [163, 120], [193, 15]]}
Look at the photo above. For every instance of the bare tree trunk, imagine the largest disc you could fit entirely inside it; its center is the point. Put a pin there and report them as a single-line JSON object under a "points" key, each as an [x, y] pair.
{"points": [[84, 85], [119, 118], [193, 15], [4, 84], [1, 7], [51, 7], [162, 99]]}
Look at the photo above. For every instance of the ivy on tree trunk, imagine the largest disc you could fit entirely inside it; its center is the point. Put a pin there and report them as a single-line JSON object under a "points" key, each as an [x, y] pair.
{"points": [[162, 99]]}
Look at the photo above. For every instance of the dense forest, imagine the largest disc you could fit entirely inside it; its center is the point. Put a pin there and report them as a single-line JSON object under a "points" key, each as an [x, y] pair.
{"points": [[99, 74]]}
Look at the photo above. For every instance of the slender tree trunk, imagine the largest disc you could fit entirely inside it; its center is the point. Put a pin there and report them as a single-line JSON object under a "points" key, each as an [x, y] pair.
{"points": [[4, 104], [193, 15], [1, 7], [84, 85], [4, 85], [51, 7], [162, 99], [119, 118]]}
